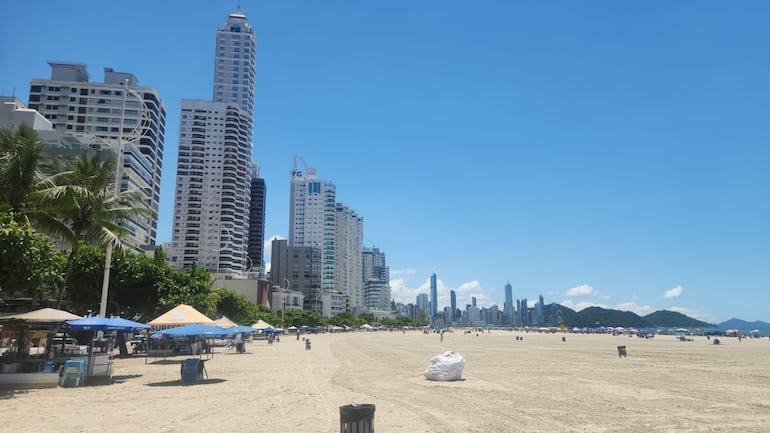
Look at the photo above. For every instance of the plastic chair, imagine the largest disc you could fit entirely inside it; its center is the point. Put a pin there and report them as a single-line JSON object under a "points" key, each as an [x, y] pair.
{"points": [[73, 373]]}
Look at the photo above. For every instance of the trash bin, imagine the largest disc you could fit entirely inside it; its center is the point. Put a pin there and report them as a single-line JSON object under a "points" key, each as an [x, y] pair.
{"points": [[357, 418], [621, 351], [192, 370]]}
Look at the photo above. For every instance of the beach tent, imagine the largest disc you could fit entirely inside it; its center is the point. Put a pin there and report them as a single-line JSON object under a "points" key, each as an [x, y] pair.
{"points": [[224, 322], [97, 323], [42, 316], [261, 324], [194, 330], [180, 315], [366, 326], [240, 330]]}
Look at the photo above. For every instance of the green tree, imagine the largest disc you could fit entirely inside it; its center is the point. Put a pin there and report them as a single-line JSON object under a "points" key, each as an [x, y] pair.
{"points": [[22, 154], [300, 318], [87, 209], [192, 287], [236, 307], [133, 288], [29, 263]]}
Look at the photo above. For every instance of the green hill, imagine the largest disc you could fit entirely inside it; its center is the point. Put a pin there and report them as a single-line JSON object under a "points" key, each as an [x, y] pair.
{"points": [[598, 316]]}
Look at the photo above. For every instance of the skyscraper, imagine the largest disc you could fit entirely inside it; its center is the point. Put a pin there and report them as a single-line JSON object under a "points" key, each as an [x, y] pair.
{"points": [[235, 65], [256, 244], [116, 114], [349, 242], [312, 218], [508, 307], [376, 279], [213, 188], [433, 295], [453, 304]]}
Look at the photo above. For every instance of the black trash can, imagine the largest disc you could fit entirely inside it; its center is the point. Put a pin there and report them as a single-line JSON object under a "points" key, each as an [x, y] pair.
{"points": [[621, 351], [357, 418]]}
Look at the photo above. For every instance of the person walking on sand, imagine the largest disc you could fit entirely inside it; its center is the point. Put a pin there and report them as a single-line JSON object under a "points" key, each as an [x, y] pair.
{"points": [[307, 344]]}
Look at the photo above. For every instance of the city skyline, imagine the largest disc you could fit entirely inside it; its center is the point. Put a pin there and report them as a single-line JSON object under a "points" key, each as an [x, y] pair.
{"points": [[599, 153]]}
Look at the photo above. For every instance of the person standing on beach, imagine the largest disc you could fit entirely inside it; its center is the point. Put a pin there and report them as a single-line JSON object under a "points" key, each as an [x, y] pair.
{"points": [[307, 344]]}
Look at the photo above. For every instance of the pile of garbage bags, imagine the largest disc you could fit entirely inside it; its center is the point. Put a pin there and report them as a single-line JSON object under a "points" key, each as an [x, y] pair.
{"points": [[445, 367]]}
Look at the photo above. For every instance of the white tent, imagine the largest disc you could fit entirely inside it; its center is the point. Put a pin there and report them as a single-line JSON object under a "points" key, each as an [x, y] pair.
{"points": [[261, 324], [225, 322]]}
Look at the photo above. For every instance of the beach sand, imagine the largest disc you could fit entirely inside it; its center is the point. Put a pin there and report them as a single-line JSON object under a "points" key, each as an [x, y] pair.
{"points": [[537, 384]]}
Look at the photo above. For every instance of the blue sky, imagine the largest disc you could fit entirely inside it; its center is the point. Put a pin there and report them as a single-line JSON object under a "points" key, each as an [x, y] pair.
{"points": [[597, 152]]}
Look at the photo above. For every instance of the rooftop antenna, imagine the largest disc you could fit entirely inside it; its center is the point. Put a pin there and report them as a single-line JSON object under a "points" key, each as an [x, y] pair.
{"points": [[239, 5]]}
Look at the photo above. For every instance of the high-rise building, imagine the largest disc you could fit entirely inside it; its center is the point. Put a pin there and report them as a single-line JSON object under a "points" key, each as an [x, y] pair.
{"points": [[256, 244], [211, 204], [349, 241], [235, 65], [128, 118], [508, 307], [297, 268], [213, 188], [433, 295], [423, 303], [453, 305], [376, 278], [539, 311], [312, 219]]}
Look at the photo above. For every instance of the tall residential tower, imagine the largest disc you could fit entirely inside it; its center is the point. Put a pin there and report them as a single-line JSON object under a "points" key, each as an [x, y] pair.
{"points": [[213, 188]]}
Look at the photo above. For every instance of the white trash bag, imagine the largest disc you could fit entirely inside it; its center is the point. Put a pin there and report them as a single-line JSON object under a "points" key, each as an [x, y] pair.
{"points": [[445, 367]]}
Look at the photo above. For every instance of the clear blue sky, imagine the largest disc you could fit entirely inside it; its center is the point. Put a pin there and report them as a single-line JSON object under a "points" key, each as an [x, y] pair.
{"points": [[595, 152]]}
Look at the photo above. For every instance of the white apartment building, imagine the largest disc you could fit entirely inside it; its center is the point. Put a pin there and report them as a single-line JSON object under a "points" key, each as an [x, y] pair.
{"points": [[211, 206], [128, 118], [312, 218], [212, 188], [349, 254]]}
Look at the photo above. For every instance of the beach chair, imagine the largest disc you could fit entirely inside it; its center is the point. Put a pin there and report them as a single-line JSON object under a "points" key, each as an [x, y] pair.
{"points": [[229, 346], [193, 370], [73, 373]]}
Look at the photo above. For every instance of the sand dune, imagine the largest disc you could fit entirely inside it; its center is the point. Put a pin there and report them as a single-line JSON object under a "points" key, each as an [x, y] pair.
{"points": [[538, 384]]}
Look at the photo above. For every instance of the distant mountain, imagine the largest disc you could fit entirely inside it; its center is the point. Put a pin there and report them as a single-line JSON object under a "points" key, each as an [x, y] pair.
{"points": [[673, 319], [598, 316], [745, 327]]}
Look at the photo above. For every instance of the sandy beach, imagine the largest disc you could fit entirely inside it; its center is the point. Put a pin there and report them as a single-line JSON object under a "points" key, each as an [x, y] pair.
{"points": [[538, 384]]}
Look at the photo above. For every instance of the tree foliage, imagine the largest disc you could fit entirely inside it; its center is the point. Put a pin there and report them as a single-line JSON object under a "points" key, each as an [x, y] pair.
{"points": [[29, 264], [191, 286]]}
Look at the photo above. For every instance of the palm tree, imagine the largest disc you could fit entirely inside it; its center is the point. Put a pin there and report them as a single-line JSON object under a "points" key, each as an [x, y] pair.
{"points": [[22, 154], [87, 207]]}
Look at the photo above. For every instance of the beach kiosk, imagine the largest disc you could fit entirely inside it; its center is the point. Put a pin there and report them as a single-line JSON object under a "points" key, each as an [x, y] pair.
{"points": [[31, 359]]}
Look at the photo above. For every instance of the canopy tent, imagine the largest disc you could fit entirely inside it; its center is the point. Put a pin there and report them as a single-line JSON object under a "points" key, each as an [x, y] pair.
{"points": [[194, 330], [97, 323], [224, 322], [261, 324], [241, 330], [42, 316], [180, 315]]}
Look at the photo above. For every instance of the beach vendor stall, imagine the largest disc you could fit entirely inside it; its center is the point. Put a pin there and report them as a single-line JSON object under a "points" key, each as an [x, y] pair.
{"points": [[34, 352], [99, 362]]}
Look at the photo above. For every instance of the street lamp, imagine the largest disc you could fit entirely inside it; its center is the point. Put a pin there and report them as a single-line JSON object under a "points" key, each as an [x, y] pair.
{"points": [[136, 131]]}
